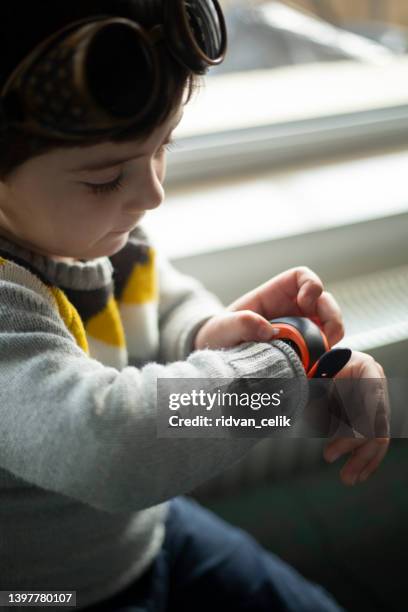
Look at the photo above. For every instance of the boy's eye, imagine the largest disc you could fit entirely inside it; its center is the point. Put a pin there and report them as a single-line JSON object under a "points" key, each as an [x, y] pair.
{"points": [[106, 187], [117, 183]]}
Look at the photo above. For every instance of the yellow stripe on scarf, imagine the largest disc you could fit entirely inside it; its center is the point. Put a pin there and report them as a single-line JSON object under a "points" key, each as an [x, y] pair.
{"points": [[107, 325], [142, 285]]}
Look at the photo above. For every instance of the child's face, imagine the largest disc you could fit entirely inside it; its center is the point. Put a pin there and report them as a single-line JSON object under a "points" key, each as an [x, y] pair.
{"points": [[47, 206]]}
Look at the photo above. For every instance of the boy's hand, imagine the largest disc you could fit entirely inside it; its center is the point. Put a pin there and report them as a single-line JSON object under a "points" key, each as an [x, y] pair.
{"points": [[366, 454], [296, 292]]}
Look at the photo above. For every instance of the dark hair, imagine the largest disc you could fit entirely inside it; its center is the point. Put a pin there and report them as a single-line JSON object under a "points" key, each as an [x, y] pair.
{"points": [[21, 29]]}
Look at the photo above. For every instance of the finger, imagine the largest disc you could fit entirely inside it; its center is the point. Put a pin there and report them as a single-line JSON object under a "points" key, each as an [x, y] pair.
{"points": [[274, 298], [374, 464], [250, 327], [329, 314], [380, 369], [359, 460], [362, 390], [340, 446], [309, 290], [362, 404], [228, 329], [376, 406]]}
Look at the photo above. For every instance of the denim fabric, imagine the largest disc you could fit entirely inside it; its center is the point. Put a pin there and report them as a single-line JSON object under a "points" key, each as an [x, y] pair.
{"points": [[208, 565]]}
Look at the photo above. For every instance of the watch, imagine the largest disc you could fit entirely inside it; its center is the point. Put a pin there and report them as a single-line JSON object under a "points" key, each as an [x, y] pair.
{"points": [[312, 346]]}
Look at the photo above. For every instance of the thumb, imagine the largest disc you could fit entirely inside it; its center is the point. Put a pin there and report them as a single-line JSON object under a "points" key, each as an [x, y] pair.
{"points": [[249, 326], [233, 328]]}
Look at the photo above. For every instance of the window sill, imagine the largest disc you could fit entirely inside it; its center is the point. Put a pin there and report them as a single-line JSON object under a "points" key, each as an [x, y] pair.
{"points": [[246, 121], [213, 216], [273, 96]]}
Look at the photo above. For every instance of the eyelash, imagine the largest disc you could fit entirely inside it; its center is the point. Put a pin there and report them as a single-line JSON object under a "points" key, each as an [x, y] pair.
{"points": [[117, 183]]}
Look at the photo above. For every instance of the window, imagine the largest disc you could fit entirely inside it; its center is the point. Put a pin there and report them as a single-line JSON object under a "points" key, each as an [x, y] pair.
{"points": [[301, 79]]}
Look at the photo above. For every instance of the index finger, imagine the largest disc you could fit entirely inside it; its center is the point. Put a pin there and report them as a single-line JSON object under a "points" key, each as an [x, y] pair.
{"points": [[330, 317], [309, 290]]}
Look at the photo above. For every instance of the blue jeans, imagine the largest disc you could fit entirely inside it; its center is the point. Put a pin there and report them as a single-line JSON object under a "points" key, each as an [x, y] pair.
{"points": [[208, 565]]}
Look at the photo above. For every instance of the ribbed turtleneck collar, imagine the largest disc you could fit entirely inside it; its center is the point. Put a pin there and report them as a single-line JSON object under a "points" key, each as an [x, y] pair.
{"points": [[89, 274]]}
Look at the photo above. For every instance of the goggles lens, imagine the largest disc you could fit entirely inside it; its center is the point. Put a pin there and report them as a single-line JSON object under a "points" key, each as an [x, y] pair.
{"points": [[120, 70]]}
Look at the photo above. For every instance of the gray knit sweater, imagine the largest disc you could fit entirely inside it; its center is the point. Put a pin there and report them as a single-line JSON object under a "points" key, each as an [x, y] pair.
{"points": [[84, 479]]}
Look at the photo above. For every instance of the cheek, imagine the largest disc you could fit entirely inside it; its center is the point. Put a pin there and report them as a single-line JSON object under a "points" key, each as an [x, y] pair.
{"points": [[78, 217], [79, 203], [34, 211]]}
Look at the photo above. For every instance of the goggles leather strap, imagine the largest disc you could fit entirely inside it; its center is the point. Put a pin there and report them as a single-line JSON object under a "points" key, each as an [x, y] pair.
{"points": [[33, 97]]}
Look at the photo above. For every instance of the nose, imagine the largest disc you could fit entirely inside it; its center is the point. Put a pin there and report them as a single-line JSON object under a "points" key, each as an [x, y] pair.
{"points": [[148, 192]]}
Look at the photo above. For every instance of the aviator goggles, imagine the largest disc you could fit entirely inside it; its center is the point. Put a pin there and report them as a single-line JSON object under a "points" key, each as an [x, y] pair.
{"points": [[59, 90]]}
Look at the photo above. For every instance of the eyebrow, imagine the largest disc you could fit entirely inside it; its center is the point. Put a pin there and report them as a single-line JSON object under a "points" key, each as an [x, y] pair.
{"points": [[110, 162]]}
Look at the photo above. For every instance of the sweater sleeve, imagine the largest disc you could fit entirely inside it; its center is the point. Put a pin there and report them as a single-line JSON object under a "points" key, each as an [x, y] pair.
{"points": [[184, 306], [76, 427]]}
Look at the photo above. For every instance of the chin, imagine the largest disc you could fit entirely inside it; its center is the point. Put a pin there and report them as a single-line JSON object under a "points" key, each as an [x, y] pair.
{"points": [[107, 245], [115, 244]]}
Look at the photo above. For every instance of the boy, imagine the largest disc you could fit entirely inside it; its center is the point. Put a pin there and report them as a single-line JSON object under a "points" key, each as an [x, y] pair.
{"points": [[90, 318]]}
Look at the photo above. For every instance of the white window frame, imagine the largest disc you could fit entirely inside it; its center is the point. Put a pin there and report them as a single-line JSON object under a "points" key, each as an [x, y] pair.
{"points": [[336, 107]]}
